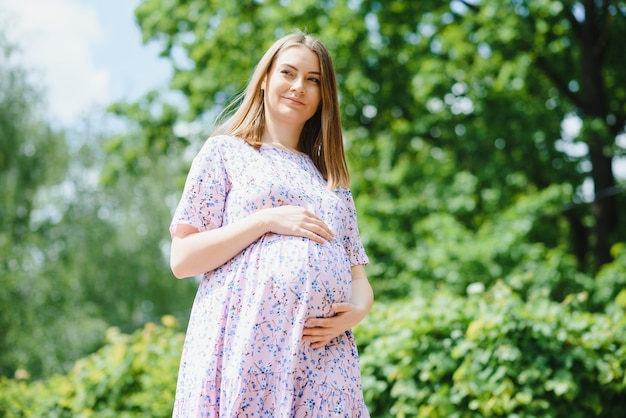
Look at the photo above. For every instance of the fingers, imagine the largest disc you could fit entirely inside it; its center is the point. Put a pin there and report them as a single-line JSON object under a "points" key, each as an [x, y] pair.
{"points": [[315, 331], [319, 227], [342, 307], [320, 331], [331, 321], [318, 337], [313, 323], [317, 233], [319, 344], [298, 221], [313, 237]]}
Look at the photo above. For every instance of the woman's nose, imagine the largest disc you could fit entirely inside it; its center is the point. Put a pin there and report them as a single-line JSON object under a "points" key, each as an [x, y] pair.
{"points": [[297, 86]]}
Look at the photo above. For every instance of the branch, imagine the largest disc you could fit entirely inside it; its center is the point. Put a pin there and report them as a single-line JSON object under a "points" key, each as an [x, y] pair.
{"points": [[558, 82]]}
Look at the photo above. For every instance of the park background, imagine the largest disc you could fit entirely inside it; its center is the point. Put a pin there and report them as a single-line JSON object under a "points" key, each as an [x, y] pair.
{"points": [[486, 144]]}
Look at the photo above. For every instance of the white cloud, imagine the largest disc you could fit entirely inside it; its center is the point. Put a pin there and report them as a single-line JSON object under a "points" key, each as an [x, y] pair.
{"points": [[56, 38]]}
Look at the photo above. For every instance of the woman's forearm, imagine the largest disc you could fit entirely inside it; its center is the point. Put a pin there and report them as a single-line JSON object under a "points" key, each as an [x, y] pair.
{"points": [[194, 252], [362, 293]]}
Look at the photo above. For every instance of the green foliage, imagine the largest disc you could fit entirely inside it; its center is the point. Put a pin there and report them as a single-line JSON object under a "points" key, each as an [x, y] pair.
{"points": [[32, 157], [492, 354], [433, 95], [32, 154], [452, 113], [92, 258], [610, 282], [427, 233], [131, 376], [76, 256]]}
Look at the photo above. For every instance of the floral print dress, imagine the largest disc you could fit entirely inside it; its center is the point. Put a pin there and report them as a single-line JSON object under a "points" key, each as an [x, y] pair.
{"points": [[244, 355]]}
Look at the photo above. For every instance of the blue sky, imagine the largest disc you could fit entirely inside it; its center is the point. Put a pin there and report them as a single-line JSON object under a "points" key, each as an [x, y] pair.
{"points": [[85, 53]]}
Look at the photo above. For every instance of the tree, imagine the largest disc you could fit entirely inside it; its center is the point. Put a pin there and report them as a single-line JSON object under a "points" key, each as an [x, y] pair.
{"points": [[486, 85], [32, 157], [76, 255]]}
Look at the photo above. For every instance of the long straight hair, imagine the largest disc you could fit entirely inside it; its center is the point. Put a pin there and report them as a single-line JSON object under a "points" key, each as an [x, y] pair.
{"points": [[321, 137]]}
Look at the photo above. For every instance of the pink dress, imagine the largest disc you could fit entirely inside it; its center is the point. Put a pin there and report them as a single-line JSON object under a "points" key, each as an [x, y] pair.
{"points": [[243, 354]]}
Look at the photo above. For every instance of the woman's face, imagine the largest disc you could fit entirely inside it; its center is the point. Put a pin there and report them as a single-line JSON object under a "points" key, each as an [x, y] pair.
{"points": [[292, 87]]}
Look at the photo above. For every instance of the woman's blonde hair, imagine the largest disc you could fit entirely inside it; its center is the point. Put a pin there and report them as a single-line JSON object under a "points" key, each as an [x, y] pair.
{"points": [[321, 137]]}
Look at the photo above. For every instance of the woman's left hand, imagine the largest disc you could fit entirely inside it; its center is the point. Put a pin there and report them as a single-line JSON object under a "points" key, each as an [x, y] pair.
{"points": [[319, 331]]}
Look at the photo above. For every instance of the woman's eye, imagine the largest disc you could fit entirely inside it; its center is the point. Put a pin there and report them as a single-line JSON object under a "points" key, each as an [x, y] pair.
{"points": [[314, 80], [286, 72]]}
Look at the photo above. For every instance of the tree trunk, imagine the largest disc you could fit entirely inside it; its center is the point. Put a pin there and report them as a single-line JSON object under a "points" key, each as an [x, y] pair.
{"points": [[579, 236], [605, 203], [593, 47]]}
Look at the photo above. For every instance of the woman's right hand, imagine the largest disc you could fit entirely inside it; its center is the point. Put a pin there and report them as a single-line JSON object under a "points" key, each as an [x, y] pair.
{"points": [[296, 221]]}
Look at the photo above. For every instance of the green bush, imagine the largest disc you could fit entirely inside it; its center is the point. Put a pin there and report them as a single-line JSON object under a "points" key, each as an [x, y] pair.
{"points": [[493, 354], [131, 376], [611, 279], [438, 248]]}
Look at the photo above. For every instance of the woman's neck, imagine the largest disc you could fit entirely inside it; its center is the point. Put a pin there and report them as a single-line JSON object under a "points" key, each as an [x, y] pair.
{"points": [[285, 137]]}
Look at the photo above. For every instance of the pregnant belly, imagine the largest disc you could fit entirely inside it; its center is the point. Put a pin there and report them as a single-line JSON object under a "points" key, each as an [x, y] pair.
{"points": [[297, 276]]}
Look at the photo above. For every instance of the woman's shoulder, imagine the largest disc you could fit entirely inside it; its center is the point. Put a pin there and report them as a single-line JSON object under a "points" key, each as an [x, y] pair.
{"points": [[225, 141], [223, 144], [344, 193]]}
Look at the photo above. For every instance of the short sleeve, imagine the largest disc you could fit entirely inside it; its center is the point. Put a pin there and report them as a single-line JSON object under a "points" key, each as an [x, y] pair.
{"points": [[352, 239], [204, 195]]}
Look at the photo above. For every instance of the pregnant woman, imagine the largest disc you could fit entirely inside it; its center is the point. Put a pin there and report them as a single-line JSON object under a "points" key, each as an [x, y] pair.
{"points": [[267, 217]]}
